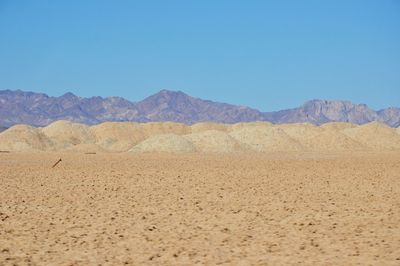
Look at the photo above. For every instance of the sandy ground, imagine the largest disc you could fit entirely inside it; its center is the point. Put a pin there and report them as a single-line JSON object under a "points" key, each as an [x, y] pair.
{"points": [[278, 209]]}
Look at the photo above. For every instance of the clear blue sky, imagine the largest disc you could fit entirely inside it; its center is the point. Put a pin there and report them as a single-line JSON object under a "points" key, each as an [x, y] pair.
{"points": [[265, 54]]}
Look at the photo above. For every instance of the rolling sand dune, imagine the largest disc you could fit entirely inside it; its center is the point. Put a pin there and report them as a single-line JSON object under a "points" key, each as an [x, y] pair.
{"points": [[24, 138], [157, 128], [85, 148], [265, 139], [302, 130], [202, 137], [214, 141], [375, 136], [200, 127], [118, 136], [166, 209], [337, 126], [122, 136], [251, 125], [165, 143], [65, 134], [331, 141], [327, 138]]}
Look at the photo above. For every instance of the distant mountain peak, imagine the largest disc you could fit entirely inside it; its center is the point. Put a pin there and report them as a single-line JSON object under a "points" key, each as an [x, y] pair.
{"points": [[167, 91], [168, 94], [38, 109], [69, 95], [328, 102]]}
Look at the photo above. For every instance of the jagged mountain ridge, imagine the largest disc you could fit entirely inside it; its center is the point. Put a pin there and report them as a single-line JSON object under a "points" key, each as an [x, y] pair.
{"points": [[320, 112], [38, 109]]}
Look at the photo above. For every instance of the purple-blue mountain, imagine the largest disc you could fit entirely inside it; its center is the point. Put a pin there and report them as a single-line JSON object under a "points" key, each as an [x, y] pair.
{"points": [[38, 109]]}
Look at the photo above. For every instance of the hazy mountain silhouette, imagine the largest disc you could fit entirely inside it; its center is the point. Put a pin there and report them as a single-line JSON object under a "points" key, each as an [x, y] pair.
{"points": [[39, 109]]}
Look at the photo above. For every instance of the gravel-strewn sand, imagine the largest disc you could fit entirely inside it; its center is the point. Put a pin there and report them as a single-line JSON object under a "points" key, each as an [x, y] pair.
{"points": [[137, 209]]}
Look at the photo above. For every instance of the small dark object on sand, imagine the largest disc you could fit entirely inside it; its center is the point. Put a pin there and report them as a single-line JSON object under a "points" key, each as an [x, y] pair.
{"points": [[4, 151], [56, 163]]}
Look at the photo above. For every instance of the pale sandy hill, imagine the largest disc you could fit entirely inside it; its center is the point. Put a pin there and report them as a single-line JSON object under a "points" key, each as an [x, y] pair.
{"points": [[118, 136], [326, 138], [170, 143], [85, 148], [375, 135], [337, 126], [65, 134], [202, 137], [330, 141], [24, 138], [204, 126], [158, 128], [302, 130], [260, 124], [266, 139], [214, 141], [122, 136]]}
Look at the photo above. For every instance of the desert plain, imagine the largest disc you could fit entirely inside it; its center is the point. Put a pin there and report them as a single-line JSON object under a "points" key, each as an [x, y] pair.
{"points": [[251, 195], [180, 209]]}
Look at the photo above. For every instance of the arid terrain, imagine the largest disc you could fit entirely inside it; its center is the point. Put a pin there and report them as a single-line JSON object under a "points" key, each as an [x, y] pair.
{"points": [[258, 137], [277, 208]]}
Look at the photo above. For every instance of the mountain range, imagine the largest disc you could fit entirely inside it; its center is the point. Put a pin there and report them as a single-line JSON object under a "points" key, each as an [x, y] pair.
{"points": [[38, 109]]}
